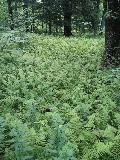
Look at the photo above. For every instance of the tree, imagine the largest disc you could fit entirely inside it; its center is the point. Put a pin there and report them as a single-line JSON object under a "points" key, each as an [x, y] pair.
{"points": [[90, 13], [10, 11], [67, 10], [104, 12], [33, 16], [49, 16], [25, 9], [53, 15], [95, 15], [112, 33]]}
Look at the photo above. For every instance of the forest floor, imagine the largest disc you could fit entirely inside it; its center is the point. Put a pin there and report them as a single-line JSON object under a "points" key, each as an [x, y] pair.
{"points": [[55, 96]]}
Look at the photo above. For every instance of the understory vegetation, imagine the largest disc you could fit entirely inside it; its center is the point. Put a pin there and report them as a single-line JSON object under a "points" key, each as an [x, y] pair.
{"points": [[56, 101]]}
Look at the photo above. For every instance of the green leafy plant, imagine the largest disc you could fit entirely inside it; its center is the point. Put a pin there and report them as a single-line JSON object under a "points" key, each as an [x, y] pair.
{"points": [[55, 100]]}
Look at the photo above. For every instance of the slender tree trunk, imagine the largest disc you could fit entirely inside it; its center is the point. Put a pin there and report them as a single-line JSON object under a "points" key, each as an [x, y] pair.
{"points": [[33, 18], [103, 15], [16, 5], [112, 34], [10, 11], [67, 9], [56, 28], [43, 12], [16, 21], [49, 16], [46, 27], [25, 9], [50, 24], [95, 18]]}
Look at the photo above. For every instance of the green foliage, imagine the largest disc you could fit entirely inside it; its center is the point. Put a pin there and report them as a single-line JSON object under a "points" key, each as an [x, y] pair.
{"points": [[55, 100], [20, 138], [2, 11], [58, 145], [2, 136], [47, 16]]}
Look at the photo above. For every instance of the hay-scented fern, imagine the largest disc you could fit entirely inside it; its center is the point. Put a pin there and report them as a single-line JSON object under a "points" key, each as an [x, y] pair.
{"points": [[55, 100]]}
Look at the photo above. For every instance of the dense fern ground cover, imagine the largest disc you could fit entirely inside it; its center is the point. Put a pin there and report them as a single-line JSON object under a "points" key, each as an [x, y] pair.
{"points": [[56, 102]]}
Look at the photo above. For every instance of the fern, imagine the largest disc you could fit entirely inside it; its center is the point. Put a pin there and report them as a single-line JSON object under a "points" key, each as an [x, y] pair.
{"points": [[20, 139], [59, 148], [2, 136]]}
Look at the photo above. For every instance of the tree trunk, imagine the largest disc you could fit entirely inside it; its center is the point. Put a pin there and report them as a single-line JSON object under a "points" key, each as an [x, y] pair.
{"points": [[95, 16], [112, 34], [96, 23], [16, 5], [67, 9], [102, 25], [50, 24], [33, 18], [10, 11], [49, 16], [25, 9], [43, 10]]}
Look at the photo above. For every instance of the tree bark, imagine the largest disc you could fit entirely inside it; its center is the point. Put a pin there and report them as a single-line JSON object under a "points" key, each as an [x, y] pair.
{"points": [[50, 24], [112, 34], [33, 18], [10, 11], [49, 16], [43, 12], [103, 15], [67, 9], [25, 9]]}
